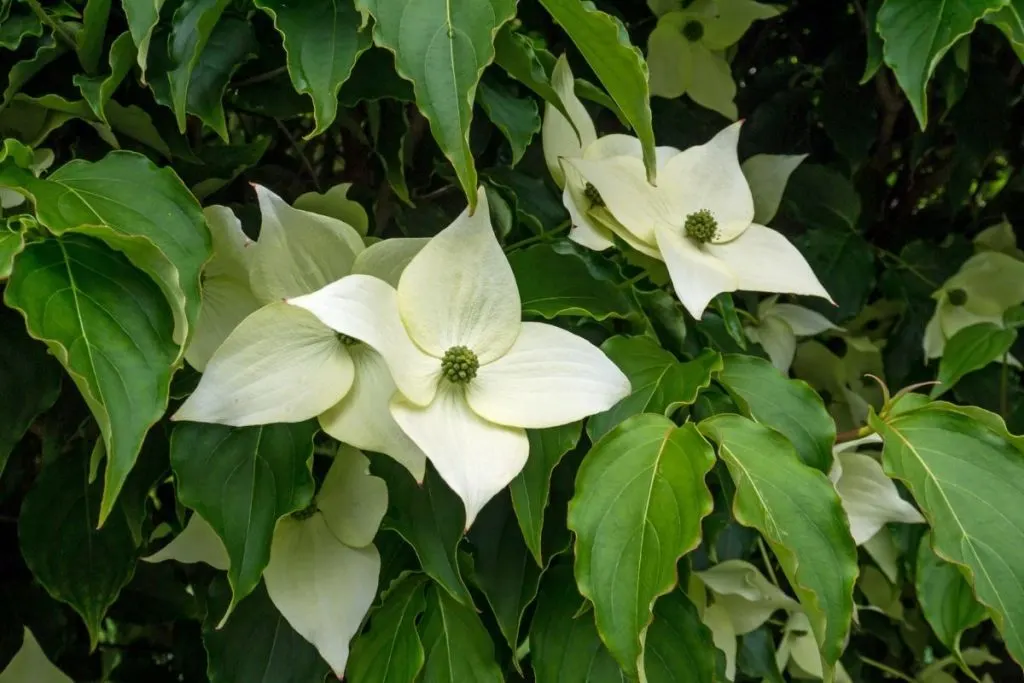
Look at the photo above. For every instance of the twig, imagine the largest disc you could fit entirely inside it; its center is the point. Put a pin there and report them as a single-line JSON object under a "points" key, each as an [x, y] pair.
{"points": [[538, 238], [58, 28], [887, 669], [259, 78], [852, 435], [767, 562], [302, 156]]}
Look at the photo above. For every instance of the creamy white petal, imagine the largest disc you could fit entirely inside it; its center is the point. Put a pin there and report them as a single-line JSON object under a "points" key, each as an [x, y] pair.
{"points": [[281, 364], [952, 318], [363, 419], [366, 309], [321, 586], [723, 635], [584, 231], [778, 340], [619, 145], [549, 377], [31, 665], [558, 137], [352, 500], [476, 458], [882, 549], [745, 594], [670, 58], [197, 542], [298, 251], [697, 276], [767, 175], [712, 86], [232, 248], [388, 258], [870, 498], [460, 290], [733, 19], [709, 177], [335, 204], [634, 202], [803, 321], [799, 649], [763, 260]]}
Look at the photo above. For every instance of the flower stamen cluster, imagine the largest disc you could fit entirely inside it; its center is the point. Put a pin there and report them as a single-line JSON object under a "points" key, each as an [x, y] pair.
{"points": [[701, 226], [459, 365]]}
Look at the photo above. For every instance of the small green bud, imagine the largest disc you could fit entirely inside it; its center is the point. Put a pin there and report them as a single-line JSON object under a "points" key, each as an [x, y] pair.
{"points": [[593, 196], [701, 226], [693, 30], [957, 297], [459, 365], [306, 512]]}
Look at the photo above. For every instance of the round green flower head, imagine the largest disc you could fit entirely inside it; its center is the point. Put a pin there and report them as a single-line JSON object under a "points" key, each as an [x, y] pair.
{"points": [[593, 196], [701, 226], [957, 297], [693, 31], [347, 340], [459, 364]]}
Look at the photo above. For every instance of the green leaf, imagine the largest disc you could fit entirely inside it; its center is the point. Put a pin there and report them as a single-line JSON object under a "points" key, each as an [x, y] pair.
{"points": [[965, 476], [786, 405], [29, 382], [845, 263], [640, 498], [97, 90], [505, 571], [679, 648], [756, 656], [918, 34], [726, 308], [518, 56], [47, 51], [110, 328], [874, 41], [231, 43], [94, 30], [391, 651], [77, 563], [16, 28], [797, 510], [661, 383], [516, 117], [430, 518], [162, 230], [242, 480], [443, 51], [390, 131], [258, 644], [12, 242], [604, 43], [564, 645], [143, 16], [532, 486], [191, 28], [1010, 20], [945, 597], [323, 39], [970, 349], [557, 279], [457, 645]]}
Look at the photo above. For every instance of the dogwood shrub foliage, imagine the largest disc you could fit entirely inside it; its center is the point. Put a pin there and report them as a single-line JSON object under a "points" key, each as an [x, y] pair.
{"points": [[484, 340]]}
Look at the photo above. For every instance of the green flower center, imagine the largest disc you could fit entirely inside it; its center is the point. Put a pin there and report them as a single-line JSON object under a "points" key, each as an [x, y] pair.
{"points": [[593, 196], [347, 340], [693, 30], [306, 512], [957, 297], [459, 365], [701, 226]]}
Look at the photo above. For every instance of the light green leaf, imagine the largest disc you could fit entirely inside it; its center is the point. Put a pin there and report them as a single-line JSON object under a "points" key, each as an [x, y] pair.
{"points": [[443, 50], [97, 90], [519, 57], [110, 328], [323, 39], [970, 349], [191, 28], [391, 651], [767, 175], [93, 31], [679, 648], [1010, 20], [458, 647], [788, 406], [31, 664], [242, 481], [661, 383], [162, 230], [143, 16], [798, 512], [516, 117], [558, 279], [965, 475], [945, 597], [918, 33], [564, 645], [76, 562], [619, 65], [532, 487], [640, 498]]}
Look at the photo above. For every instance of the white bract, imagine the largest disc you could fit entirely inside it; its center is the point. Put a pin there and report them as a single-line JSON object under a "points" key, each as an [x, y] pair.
{"points": [[986, 285], [265, 361], [798, 651], [471, 376], [686, 50], [30, 665], [779, 325], [699, 220], [323, 568], [843, 379]]}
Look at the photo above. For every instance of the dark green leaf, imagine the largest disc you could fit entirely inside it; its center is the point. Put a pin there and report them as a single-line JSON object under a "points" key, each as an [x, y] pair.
{"points": [[679, 648], [391, 651], [17, 27], [788, 406], [457, 645], [756, 656], [797, 510], [845, 264], [48, 50], [1010, 20], [242, 480], [640, 498], [191, 28], [94, 30], [109, 326], [230, 44], [516, 117], [390, 131], [727, 309], [874, 41], [970, 349], [374, 78], [323, 39], [518, 56], [97, 90], [946, 599], [143, 16]]}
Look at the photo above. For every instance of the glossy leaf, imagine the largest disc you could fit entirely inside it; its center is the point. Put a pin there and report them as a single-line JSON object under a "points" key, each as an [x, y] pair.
{"points": [[458, 647], [970, 349], [142, 19], [323, 39], [518, 56], [947, 601], [516, 117], [788, 406], [679, 648], [242, 480], [391, 651], [798, 512], [640, 499], [231, 43], [90, 38], [97, 90], [110, 328], [191, 28], [12, 242]]}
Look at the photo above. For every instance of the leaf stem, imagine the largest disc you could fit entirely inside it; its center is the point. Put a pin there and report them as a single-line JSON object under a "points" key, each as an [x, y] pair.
{"points": [[543, 237], [58, 28], [302, 156], [767, 562], [259, 78], [887, 669], [853, 434]]}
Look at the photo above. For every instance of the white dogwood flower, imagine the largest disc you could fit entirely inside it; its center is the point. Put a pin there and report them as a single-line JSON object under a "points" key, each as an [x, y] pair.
{"points": [[699, 221], [779, 325], [471, 375], [265, 361]]}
